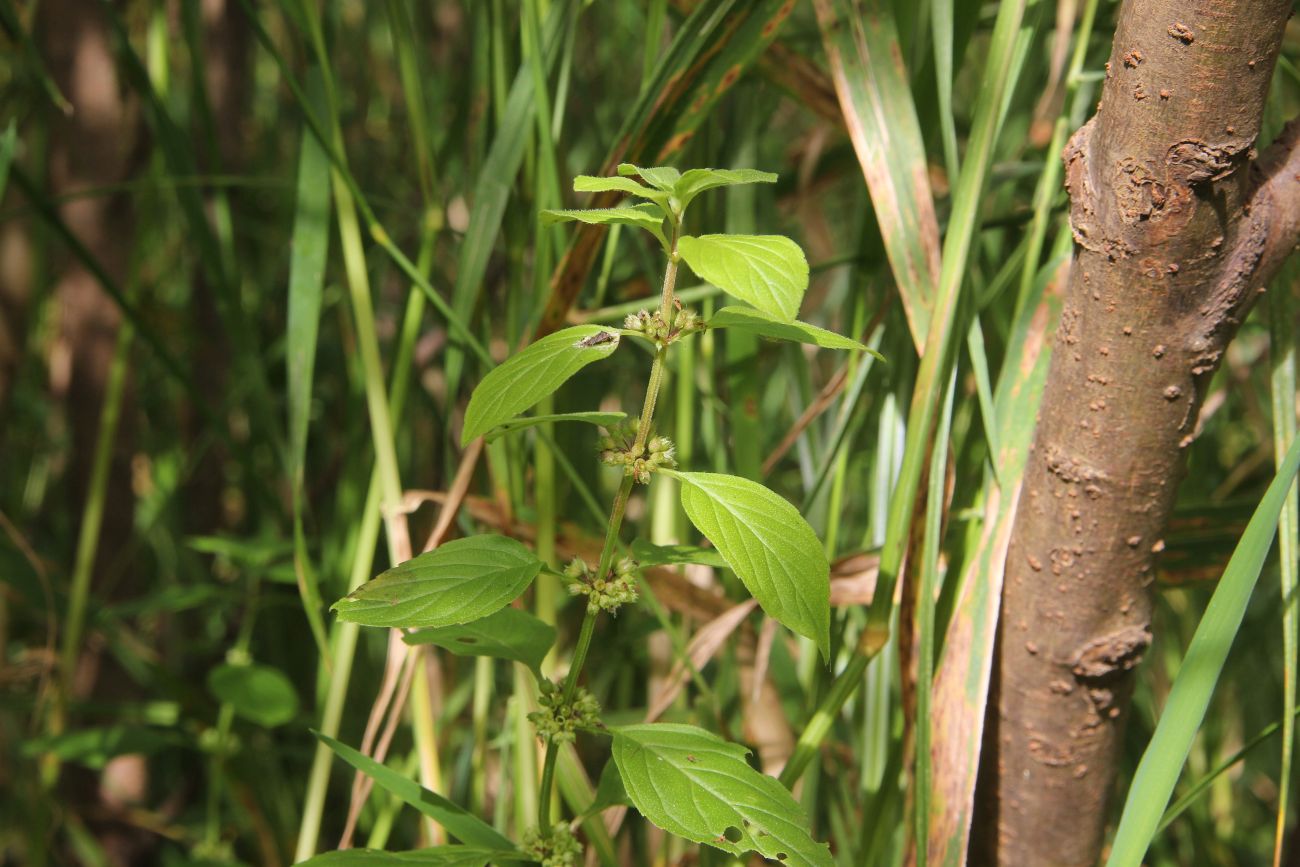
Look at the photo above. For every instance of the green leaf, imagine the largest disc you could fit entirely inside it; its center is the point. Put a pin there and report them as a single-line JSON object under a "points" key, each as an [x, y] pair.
{"points": [[767, 325], [94, 747], [1184, 710], [439, 856], [529, 376], [769, 545], [507, 634], [647, 554], [590, 184], [694, 784], [458, 821], [695, 181], [8, 144], [605, 419], [455, 583], [308, 252], [258, 693], [664, 177], [645, 216], [767, 271]]}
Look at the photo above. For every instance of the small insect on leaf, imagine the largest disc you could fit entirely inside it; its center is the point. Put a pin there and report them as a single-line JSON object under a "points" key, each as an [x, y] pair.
{"points": [[600, 338]]}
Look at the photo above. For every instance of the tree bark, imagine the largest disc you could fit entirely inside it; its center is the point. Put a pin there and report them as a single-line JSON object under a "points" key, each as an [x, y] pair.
{"points": [[1177, 226]]}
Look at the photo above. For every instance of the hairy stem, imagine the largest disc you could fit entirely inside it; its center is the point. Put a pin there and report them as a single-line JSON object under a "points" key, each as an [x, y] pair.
{"points": [[616, 513]]}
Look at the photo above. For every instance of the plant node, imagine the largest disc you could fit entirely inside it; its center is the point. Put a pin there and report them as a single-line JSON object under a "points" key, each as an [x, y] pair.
{"points": [[618, 449], [607, 593], [659, 330], [557, 719], [554, 848]]}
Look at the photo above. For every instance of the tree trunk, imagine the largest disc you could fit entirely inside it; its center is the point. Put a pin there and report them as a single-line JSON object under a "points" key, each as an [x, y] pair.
{"points": [[1177, 227]]}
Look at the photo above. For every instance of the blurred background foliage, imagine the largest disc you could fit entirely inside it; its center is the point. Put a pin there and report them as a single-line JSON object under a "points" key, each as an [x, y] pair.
{"points": [[158, 669]]}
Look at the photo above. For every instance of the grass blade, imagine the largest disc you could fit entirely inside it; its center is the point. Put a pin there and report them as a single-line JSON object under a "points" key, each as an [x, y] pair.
{"points": [[458, 821], [1283, 381], [862, 47], [310, 248], [1197, 676]]}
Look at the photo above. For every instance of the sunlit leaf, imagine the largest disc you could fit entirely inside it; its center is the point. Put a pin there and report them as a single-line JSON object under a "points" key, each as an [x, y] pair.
{"points": [[455, 583], [767, 271], [530, 375], [695, 181], [769, 545], [694, 784], [663, 177]]}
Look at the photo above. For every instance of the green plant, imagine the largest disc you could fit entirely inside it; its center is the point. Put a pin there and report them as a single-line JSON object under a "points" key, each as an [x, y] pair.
{"points": [[684, 779]]}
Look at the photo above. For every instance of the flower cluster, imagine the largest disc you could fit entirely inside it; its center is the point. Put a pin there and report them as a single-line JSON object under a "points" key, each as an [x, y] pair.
{"points": [[557, 848], [607, 593], [557, 719], [654, 326], [618, 449]]}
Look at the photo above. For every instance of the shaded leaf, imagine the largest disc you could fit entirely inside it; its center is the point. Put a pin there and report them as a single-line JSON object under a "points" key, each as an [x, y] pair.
{"points": [[767, 271], [767, 325], [605, 419], [648, 554], [258, 693], [694, 784], [459, 822], [458, 582], [94, 747], [532, 374], [769, 545], [508, 634]]}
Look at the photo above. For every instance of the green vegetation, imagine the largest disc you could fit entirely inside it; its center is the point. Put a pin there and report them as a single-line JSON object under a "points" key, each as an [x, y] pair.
{"points": [[390, 462]]}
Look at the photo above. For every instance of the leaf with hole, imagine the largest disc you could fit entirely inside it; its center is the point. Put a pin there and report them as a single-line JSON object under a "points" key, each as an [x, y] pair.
{"points": [[258, 693], [455, 583], [694, 784], [769, 545], [529, 376], [508, 634], [766, 325], [605, 419], [767, 271]]}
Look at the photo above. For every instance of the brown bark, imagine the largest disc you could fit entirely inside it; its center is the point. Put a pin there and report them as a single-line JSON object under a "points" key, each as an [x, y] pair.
{"points": [[1177, 228]]}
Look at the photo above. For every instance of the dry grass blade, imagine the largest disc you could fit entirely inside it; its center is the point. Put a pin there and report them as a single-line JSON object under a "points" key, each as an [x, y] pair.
{"points": [[961, 682], [707, 641], [875, 95]]}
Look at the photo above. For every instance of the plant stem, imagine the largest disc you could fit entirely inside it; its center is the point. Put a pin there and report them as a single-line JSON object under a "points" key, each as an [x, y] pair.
{"points": [[616, 514]]}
